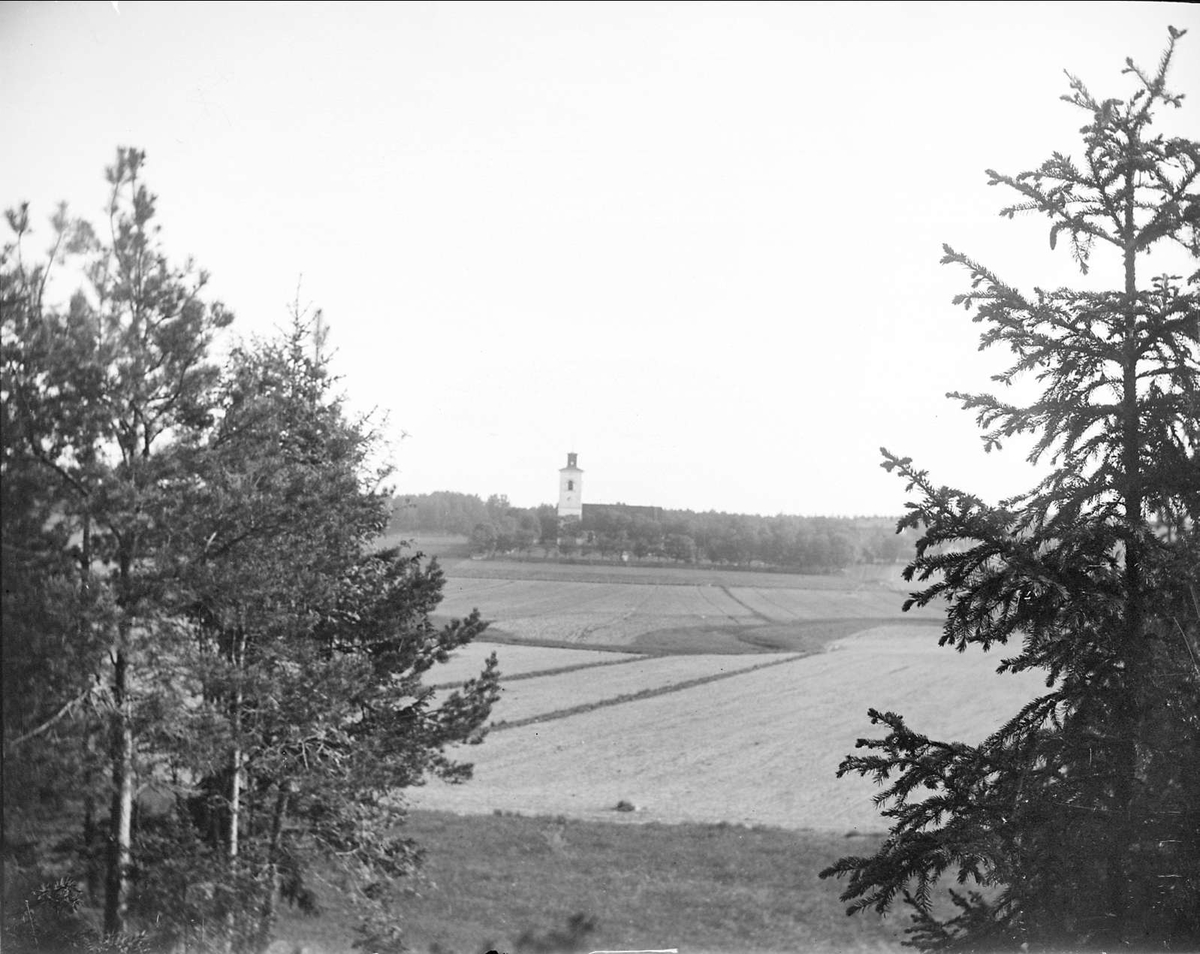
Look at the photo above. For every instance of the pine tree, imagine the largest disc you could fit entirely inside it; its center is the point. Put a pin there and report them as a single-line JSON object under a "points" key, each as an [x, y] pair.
{"points": [[196, 609], [1076, 825], [310, 644], [95, 396]]}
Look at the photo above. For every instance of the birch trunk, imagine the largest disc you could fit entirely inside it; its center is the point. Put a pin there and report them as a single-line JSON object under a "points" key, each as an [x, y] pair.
{"points": [[116, 901], [235, 780]]}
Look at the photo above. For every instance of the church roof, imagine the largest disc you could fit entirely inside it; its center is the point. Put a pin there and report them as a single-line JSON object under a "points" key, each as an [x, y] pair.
{"points": [[628, 510]]}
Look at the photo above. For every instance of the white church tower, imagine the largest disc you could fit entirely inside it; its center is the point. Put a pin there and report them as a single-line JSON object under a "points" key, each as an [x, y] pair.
{"points": [[570, 490]]}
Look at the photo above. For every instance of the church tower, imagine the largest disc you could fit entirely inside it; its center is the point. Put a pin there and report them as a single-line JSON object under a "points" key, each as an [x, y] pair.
{"points": [[570, 490]]}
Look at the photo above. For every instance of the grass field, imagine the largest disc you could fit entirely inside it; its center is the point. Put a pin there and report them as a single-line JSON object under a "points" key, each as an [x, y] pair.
{"points": [[698, 888]]}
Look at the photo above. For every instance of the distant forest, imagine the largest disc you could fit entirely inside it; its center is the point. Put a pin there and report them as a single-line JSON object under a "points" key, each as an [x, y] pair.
{"points": [[813, 544]]}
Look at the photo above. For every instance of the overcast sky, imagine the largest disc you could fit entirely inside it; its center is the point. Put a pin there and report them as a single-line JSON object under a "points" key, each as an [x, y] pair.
{"points": [[696, 243]]}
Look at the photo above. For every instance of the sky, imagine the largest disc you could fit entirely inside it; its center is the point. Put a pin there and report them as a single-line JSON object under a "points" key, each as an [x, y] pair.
{"points": [[695, 243]]}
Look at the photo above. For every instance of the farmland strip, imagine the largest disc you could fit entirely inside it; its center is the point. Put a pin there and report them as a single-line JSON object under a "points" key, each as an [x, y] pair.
{"points": [[609, 624], [636, 696], [555, 671], [662, 575]]}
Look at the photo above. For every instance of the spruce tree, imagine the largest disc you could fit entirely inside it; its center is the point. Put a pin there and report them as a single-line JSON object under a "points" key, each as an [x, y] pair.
{"points": [[1076, 825]]}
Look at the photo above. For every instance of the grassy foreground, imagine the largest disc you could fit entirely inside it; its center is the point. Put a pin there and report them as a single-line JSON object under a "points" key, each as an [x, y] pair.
{"points": [[489, 880]]}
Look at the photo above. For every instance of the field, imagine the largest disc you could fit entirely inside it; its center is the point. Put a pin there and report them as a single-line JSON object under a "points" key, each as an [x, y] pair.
{"points": [[672, 609], [703, 742], [716, 704], [543, 697], [521, 661]]}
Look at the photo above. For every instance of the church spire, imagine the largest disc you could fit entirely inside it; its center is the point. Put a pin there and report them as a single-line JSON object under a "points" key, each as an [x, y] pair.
{"points": [[570, 488]]}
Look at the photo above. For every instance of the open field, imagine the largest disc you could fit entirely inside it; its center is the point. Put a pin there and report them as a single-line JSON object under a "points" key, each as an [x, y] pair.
{"points": [[673, 609], [880, 576], [759, 747], [518, 660], [529, 698]]}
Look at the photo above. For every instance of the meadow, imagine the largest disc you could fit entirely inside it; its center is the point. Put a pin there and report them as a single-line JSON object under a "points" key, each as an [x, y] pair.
{"points": [[509, 883], [713, 706]]}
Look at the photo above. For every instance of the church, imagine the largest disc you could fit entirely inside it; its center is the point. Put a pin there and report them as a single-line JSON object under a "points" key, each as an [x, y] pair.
{"points": [[572, 507]]}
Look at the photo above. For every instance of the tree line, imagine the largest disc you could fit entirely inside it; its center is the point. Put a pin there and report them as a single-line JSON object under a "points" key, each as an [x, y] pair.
{"points": [[213, 674], [681, 536]]}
